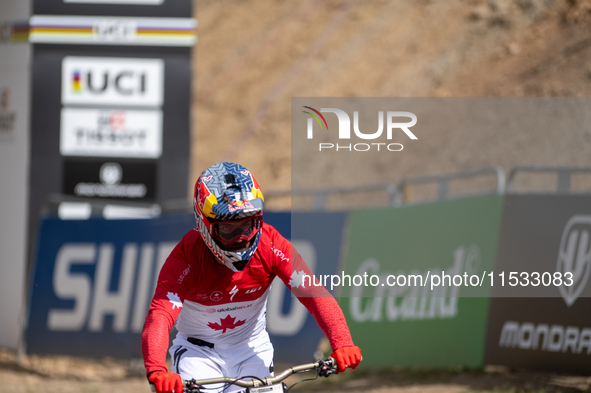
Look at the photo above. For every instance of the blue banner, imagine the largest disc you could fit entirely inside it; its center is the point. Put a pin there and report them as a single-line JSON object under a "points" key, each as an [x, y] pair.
{"points": [[94, 280], [93, 283]]}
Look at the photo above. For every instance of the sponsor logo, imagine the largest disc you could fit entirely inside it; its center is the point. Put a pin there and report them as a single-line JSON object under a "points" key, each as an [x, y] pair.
{"points": [[110, 175], [175, 300], [344, 130], [240, 205], [204, 195], [574, 256], [7, 117], [226, 323], [216, 296], [212, 310], [112, 81], [226, 309], [91, 299], [233, 292], [252, 290], [412, 302], [111, 133], [114, 30], [544, 337], [183, 275], [279, 254], [76, 86]]}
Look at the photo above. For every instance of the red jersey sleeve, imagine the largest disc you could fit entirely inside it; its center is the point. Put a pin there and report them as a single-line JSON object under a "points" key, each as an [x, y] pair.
{"points": [[290, 267], [165, 307]]}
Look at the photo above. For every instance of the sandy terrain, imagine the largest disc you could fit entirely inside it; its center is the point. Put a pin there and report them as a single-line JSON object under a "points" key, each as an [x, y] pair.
{"points": [[59, 374]]}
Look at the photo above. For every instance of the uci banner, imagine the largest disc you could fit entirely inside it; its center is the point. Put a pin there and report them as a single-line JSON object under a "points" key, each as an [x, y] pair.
{"points": [[398, 311], [94, 280]]}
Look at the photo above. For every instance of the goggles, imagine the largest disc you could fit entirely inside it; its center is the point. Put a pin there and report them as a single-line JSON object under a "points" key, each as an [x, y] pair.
{"points": [[235, 230]]}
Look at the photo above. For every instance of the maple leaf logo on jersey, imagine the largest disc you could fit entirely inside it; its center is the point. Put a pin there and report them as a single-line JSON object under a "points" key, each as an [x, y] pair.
{"points": [[175, 300], [227, 323], [297, 279]]}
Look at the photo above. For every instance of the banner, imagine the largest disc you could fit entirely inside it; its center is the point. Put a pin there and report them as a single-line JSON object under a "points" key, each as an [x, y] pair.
{"points": [[550, 329], [93, 283], [94, 280], [395, 312]]}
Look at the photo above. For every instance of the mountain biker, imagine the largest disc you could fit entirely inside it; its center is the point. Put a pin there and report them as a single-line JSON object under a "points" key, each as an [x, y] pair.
{"points": [[215, 285]]}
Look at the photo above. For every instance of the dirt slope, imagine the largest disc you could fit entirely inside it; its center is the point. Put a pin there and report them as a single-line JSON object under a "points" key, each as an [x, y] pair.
{"points": [[253, 56]]}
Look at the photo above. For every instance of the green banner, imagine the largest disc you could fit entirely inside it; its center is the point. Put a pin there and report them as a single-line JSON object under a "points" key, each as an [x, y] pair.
{"points": [[398, 312]]}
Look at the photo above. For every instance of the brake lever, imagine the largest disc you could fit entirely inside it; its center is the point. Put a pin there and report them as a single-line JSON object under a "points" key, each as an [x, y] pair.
{"points": [[326, 367], [190, 387]]}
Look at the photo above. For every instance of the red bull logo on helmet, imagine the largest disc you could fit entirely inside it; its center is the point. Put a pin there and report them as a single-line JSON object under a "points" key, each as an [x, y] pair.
{"points": [[240, 205], [206, 200]]}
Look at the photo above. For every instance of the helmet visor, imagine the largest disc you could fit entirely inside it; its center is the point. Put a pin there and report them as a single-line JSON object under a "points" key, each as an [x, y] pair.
{"points": [[230, 231]]}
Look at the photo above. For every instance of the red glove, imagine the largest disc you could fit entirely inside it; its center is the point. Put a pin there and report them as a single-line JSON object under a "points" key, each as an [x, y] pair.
{"points": [[347, 357], [166, 382]]}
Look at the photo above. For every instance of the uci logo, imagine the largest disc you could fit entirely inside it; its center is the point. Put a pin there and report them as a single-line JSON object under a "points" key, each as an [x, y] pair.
{"points": [[112, 81], [126, 82], [344, 132], [114, 30], [574, 256]]}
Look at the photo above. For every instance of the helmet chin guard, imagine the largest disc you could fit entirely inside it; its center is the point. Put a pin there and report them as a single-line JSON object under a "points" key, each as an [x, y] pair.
{"points": [[228, 192]]}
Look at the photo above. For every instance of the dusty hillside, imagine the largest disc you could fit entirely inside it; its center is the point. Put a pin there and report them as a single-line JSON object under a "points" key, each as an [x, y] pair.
{"points": [[254, 55], [550, 58]]}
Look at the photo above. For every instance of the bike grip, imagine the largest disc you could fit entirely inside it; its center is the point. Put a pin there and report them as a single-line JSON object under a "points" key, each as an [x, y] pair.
{"points": [[153, 387]]}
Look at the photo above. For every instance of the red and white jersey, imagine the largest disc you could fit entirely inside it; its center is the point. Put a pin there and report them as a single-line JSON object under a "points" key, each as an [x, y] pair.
{"points": [[210, 302]]}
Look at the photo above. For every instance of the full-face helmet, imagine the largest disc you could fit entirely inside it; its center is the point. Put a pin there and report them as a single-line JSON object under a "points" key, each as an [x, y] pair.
{"points": [[228, 206]]}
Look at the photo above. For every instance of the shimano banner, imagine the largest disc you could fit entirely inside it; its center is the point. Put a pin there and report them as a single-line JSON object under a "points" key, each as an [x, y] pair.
{"points": [[546, 234], [94, 280]]}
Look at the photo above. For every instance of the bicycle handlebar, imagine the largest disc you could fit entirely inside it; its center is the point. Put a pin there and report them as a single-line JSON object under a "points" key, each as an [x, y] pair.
{"points": [[269, 380], [325, 368]]}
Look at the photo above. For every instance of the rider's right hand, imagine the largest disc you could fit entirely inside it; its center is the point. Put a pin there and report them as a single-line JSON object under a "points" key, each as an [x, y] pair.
{"points": [[347, 357], [166, 382]]}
